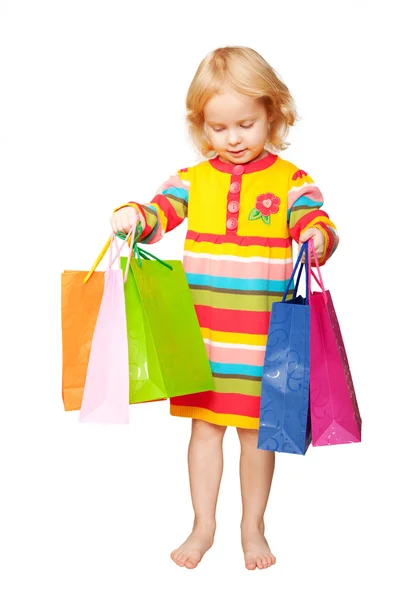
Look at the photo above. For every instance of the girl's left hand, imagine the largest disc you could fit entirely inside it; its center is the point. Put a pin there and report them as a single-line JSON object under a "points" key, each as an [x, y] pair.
{"points": [[319, 241]]}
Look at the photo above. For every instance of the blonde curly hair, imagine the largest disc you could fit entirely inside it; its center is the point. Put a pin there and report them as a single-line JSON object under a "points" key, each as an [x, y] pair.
{"points": [[248, 73]]}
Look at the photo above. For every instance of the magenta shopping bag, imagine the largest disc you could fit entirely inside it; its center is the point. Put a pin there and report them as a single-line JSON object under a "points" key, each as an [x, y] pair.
{"points": [[106, 393], [335, 417]]}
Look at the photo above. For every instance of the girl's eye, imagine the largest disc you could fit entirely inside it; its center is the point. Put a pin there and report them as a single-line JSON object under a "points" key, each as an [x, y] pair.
{"points": [[247, 126], [218, 129]]}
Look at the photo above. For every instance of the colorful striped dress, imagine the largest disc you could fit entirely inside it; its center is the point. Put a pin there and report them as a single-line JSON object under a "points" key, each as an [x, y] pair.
{"points": [[238, 260]]}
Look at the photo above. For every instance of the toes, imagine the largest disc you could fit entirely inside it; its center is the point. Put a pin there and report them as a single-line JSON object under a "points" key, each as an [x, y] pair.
{"points": [[178, 558], [268, 560], [186, 558], [191, 563], [265, 561], [193, 560], [259, 562], [250, 563], [182, 558]]}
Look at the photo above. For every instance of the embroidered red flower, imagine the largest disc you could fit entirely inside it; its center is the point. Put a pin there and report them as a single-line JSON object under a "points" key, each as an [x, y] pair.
{"points": [[299, 175], [266, 205]]}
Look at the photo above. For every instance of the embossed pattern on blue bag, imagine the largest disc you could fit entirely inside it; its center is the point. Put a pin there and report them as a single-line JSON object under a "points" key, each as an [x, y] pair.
{"points": [[284, 408]]}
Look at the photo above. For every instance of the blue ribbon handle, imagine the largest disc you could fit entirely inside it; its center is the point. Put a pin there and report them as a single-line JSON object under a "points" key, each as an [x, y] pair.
{"points": [[303, 249]]}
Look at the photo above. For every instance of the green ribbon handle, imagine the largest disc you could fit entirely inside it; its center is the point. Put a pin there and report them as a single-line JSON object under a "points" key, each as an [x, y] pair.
{"points": [[138, 252]]}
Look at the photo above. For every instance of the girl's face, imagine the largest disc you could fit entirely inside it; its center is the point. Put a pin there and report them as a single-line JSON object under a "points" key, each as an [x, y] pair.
{"points": [[236, 126]]}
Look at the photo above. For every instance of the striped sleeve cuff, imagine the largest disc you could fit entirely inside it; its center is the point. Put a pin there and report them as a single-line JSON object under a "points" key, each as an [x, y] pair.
{"points": [[147, 221], [331, 240]]}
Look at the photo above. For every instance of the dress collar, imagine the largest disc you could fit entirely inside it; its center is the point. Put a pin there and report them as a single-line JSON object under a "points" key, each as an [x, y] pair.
{"points": [[252, 167]]}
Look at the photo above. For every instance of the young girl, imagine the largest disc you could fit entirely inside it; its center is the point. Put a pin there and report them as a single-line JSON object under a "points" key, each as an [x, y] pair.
{"points": [[244, 207]]}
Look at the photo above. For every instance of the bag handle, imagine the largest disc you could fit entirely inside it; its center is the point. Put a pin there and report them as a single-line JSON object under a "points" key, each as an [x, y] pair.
{"points": [[113, 241], [144, 254], [139, 253], [298, 279], [311, 250], [303, 250], [108, 246]]}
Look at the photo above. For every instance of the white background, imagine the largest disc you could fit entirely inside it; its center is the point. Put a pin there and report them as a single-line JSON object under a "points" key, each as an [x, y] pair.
{"points": [[92, 115]]}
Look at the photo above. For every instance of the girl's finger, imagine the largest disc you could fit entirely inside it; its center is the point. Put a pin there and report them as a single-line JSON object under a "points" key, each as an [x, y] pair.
{"points": [[117, 223], [126, 224]]}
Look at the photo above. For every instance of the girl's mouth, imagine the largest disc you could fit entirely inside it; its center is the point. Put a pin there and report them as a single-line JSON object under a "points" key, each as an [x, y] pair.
{"points": [[237, 152]]}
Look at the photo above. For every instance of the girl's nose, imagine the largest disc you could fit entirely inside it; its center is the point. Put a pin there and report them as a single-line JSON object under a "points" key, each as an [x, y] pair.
{"points": [[233, 137]]}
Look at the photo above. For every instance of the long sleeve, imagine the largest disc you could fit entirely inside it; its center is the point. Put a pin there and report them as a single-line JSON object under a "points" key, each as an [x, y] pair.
{"points": [[304, 211], [167, 210]]}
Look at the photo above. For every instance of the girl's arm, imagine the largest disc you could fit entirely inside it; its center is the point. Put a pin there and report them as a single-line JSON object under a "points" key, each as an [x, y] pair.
{"points": [[167, 210], [304, 212]]}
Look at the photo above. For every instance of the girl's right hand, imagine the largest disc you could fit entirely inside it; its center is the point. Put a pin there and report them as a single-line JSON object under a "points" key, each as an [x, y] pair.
{"points": [[124, 219]]}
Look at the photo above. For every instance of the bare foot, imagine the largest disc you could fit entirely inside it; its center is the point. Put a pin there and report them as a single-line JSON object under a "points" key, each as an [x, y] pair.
{"points": [[190, 553], [257, 553]]}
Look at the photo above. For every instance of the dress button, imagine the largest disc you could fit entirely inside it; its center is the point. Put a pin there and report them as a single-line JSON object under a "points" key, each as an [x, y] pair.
{"points": [[238, 170], [234, 188], [232, 223], [233, 206]]}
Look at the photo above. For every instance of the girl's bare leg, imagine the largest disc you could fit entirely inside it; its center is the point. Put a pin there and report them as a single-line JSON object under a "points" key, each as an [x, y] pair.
{"points": [[205, 460], [256, 471]]}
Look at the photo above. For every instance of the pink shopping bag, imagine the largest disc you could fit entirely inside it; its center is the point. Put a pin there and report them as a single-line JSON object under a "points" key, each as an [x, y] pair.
{"points": [[106, 393], [335, 417]]}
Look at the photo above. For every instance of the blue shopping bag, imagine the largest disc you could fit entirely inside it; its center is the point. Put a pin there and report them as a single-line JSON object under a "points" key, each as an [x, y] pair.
{"points": [[284, 408]]}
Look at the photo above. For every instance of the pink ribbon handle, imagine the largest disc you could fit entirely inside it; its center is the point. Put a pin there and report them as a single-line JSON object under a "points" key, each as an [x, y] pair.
{"points": [[113, 241], [311, 251]]}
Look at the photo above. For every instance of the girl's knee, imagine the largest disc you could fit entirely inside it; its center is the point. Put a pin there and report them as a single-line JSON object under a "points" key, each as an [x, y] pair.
{"points": [[207, 431], [247, 435]]}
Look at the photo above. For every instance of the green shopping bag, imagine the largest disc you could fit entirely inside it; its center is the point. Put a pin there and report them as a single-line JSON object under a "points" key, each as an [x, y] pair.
{"points": [[167, 355]]}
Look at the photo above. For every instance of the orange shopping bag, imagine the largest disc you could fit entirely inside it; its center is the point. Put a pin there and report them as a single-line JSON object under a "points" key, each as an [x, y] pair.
{"points": [[80, 304], [81, 295]]}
